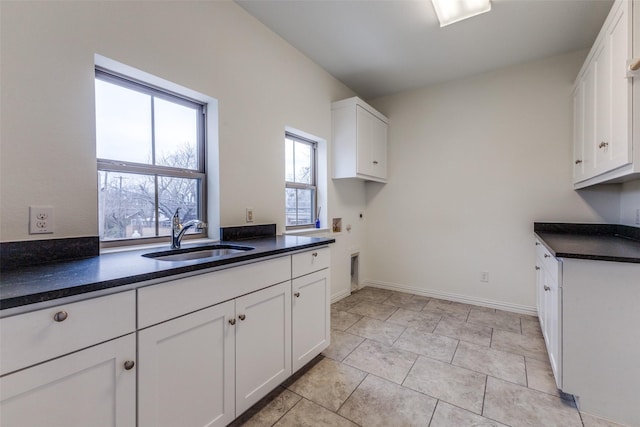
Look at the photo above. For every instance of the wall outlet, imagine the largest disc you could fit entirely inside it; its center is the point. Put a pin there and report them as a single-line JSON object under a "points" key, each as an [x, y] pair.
{"points": [[40, 219], [484, 277], [249, 215]]}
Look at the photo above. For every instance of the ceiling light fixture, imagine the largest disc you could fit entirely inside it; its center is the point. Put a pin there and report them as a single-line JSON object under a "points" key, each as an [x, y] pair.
{"points": [[450, 11]]}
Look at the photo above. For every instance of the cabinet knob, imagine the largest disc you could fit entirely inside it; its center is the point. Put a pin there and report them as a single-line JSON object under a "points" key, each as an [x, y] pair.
{"points": [[60, 316], [297, 295], [537, 268], [603, 144], [537, 243], [578, 161], [242, 316], [232, 321], [375, 162], [547, 256], [129, 364], [315, 254], [546, 288]]}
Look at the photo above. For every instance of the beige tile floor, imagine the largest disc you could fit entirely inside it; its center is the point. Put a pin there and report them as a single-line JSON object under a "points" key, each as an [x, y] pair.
{"points": [[398, 359]]}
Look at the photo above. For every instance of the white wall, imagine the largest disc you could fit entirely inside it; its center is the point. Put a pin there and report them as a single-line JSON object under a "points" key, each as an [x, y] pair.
{"points": [[48, 128], [472, 164], [630, 202]]}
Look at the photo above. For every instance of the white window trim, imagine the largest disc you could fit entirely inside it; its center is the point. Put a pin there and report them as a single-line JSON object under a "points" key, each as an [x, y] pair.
{"points": [[321, 181], [212, 159]]}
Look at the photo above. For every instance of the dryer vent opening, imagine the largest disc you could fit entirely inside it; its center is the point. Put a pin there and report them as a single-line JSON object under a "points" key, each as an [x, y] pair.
{"points": [[355, 272]]}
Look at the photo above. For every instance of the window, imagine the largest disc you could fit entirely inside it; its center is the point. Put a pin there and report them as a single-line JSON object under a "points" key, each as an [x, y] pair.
{"points": [[151, 158], [300, 182]]}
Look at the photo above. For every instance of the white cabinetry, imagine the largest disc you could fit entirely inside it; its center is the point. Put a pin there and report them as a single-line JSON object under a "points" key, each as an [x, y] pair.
{"points": [[191, 356], [208, 348], [311, 305], [589, 314], [263, 343], [549, 302], [90, 386], [603, 143], [359, 141]]}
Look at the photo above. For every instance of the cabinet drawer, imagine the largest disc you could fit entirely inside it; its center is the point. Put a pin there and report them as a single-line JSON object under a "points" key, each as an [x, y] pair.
{"points": [[308, 262], [37, 336], [168, 300]]}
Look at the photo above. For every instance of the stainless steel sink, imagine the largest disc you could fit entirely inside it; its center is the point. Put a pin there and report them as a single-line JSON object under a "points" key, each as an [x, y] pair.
{"points": [[200, 252]]}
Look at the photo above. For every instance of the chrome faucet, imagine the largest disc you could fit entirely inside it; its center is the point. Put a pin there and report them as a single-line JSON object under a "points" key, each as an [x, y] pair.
{"points": [[178, 229]]}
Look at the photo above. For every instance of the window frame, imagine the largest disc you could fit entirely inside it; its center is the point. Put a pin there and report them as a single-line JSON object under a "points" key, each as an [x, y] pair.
{"points": [[313, 185], [158, 171]]}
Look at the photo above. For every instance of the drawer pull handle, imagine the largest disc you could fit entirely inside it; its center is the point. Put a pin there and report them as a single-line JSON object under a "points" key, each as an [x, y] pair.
{"points": [[375, 162], [537, 243], [537, 268], [297, 295], [547, 256], [578, 161], [546, 288], [60, 316], [242, 317], [315, 254], [129, 364], [232, 321], [603, 144]]}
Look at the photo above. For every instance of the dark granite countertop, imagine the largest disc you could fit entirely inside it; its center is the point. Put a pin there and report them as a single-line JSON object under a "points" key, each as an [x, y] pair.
{"points": [[28, 285], [600, 242]]}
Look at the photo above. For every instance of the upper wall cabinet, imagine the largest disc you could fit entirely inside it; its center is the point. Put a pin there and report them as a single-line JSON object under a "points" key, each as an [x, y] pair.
{"points": [[359, 141], [603, 100]]}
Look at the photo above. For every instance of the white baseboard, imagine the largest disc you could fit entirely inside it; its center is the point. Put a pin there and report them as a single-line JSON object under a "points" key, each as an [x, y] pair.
{"points": [[340, 295], [500, 305]]}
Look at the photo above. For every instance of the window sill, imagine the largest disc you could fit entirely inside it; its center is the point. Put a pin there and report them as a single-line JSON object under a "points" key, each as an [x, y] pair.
{"points": [[306, 231]]}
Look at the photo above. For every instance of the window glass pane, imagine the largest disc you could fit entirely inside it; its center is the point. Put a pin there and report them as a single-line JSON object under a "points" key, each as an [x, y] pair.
{"points": [[176, 193], [305, 206], [175, 134], [126, 205], [303, 165], [290, 206], [123, 123], [288, 160], [299, 206]]}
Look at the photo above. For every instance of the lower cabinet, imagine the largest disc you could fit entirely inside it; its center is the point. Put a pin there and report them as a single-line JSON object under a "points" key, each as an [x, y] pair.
{"points": [[91, 387], [549, 304], [186, 370], [263, 343], [311, 327], [205, 368], [208, 348]]}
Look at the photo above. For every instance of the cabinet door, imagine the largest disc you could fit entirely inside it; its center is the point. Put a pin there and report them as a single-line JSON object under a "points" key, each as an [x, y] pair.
{"points": [[263, 343], [619, 149], [186, 370], [364, 141], [588, 88], [87, 388], [613, 95], [553, 327], [578, 133], [540, 293], [311, 327], [602, 61], [379, 149]]}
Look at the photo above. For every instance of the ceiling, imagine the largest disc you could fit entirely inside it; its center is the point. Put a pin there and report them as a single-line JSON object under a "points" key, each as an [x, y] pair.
{"points": [[381, 47]]}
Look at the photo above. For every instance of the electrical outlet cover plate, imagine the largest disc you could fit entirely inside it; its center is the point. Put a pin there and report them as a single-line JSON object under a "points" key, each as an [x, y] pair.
{"points": [[249, 215], [40, 219]]}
